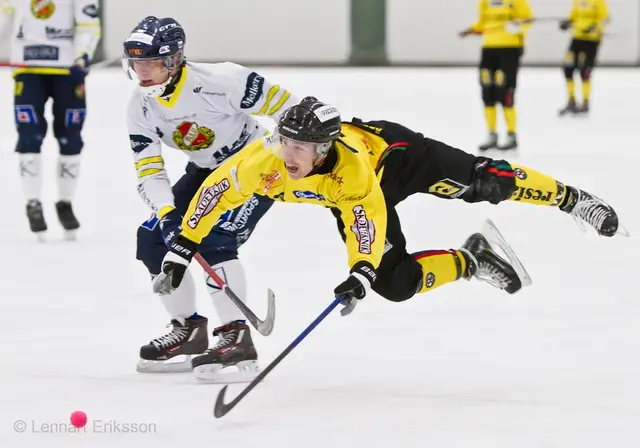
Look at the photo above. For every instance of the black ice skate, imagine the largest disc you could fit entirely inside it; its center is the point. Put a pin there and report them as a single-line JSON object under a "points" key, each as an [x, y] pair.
{"points": [[186, 339], [570, 108], [35, 215], [67, 219], [232, 360], [491, 143], [512, 142], [584, 108], [484, 263], [589, 209]]}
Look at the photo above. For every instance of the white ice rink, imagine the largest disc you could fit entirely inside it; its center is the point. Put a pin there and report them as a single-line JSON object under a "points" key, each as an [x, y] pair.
{"points": [[556, 365]]}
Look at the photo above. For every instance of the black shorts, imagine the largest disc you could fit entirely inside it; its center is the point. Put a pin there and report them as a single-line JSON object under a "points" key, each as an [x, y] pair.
{"points": [[582, 54], [499, 66], [425, 166]]}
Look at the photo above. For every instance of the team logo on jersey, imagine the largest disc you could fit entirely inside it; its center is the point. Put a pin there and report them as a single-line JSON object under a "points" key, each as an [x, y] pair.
{"points": [[364, 229], [430, 280], [42, 9], [270, 180], [447, 188], [209, 198], [252, 91], [308, 195], [188, 136]]}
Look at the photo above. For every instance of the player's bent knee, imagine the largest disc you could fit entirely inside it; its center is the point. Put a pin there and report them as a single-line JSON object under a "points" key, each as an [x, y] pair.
{"points": [[401, 282], [585, 73], [568, 72], [29, 145], [150, 249], [488, 97], [71, 144]]}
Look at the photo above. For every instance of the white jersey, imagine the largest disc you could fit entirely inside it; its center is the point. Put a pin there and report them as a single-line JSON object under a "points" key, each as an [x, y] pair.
{"points": [[208, 117], [50, 33]]}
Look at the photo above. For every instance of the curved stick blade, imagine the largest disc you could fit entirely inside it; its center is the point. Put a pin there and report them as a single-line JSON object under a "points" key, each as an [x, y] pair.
{"points": [[266, 327], [220, 409]]}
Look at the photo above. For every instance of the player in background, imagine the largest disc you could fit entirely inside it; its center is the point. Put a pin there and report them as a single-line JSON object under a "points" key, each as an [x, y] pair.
{"points": [[587, 19], [503, 24], [206, 112], [361, 171], [55, 40]]}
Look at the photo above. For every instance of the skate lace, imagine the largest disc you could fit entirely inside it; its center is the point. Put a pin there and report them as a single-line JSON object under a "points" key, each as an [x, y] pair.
{"points": [[590, 211], [224, 339], [173, 337], [492, 275]]}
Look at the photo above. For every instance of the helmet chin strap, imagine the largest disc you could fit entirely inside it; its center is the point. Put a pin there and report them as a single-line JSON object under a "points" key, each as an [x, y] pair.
{"points": [[160, 90], [157, 90]]}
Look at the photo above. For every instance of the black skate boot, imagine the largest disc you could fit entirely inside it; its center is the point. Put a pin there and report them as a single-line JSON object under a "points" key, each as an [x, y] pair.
{"points": [[485, 264], [188, 339], [589, 209], [35, 215], [584, 108], [67, 219], [512, 142], [570, 108], [234, 350], [491, 143]]}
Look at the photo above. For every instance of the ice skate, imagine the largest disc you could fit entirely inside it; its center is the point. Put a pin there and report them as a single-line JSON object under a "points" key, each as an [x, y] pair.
{"points": [[512, 142], [570, 108], [491, 143], [184, 341], [67, 219], [232, 360], [484, 263], [589, 209], [583, 109], [35, 215]]}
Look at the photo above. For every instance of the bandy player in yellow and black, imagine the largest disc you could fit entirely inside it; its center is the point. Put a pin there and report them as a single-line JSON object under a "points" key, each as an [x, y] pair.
{"points": [[361, 171], [587, 19], [503, 24]]}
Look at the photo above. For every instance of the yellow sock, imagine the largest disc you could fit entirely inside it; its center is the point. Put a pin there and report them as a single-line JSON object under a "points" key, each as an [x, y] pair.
{"points": [[440, 267], [510, 118], [571, 89], [537, 188], [490, 117], [586, 90]]}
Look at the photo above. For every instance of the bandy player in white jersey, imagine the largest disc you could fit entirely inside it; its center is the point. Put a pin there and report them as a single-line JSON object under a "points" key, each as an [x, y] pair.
{"points": [[54, 42], [205, 111]]}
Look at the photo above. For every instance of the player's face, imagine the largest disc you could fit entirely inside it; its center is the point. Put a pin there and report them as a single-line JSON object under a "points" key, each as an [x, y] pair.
{"points": [[299, 157], [151, 72]]}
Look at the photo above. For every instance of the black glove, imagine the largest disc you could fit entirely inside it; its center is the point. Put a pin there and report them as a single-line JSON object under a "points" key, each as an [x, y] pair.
{"points": [[356, 286], [170, 226], [174, 265], [589, 29], [493, 181], [565, 24]]}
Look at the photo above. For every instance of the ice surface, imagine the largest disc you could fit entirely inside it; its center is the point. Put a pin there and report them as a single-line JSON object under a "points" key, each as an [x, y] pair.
{"points": [[556, 365]]}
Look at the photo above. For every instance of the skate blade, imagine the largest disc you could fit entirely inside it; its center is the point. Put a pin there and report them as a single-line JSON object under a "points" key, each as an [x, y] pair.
{"points": [[179, 364], [622, 231], [243, 372], [495, 238]]}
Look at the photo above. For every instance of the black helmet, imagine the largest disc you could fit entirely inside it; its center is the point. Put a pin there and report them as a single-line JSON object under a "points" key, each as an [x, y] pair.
{"points": [[311, 121]]}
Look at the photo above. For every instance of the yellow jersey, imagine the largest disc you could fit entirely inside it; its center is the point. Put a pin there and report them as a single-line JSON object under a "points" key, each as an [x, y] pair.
{"points": [[588, 18], [493, 15], [347, 181]]}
